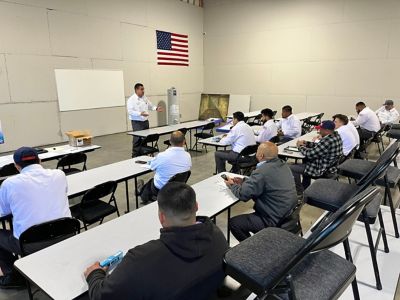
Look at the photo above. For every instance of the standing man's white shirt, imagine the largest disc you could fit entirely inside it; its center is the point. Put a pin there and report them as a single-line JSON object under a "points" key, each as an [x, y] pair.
{"points": [[367, 119], [348, 138], [268, 131], [172, 161], [34, 196], [136, 105], [387, 116], [240, 136], [290, 126]]}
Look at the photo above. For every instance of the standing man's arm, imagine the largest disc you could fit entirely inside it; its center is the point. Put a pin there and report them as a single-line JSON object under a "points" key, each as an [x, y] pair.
{"points": [[133, 110], [153, 107]]}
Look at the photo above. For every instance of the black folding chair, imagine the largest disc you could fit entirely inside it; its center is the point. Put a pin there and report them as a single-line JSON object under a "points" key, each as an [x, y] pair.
{"points": [[277, 264], [306, 127], [6, 171], [92, 208], [246, 160], [44, 235], [145, 148], [256, 120], [206, 132], [378, 140], [180, 177], [72, 159], [330, 195], [184, 131]]}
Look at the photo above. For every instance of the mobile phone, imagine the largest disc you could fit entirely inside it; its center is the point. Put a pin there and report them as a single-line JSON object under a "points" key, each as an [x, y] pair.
{"points": [[141, 162], [112, 260], [224, 177]]}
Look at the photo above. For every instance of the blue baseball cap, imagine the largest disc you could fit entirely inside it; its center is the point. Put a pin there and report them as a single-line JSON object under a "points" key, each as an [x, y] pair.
{"points": [[25, 156]]}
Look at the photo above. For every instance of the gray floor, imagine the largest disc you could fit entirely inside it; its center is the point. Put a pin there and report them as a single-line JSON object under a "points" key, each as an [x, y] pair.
{"points": [[117, 147]]}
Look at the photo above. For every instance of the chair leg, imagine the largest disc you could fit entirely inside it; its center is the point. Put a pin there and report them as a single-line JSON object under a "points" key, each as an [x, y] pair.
{"points": [[383, 232], [354, 284], [29, 288], [373, 254], [85, 226], [391, 205]]}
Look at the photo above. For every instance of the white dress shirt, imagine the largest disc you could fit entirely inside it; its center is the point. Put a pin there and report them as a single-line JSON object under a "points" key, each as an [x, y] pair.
{"points": [[34, 196], [349, 139], [240, 136], [172, 161], [136, 105], [367, 119], [387, 116], [290, 126], [268, 131]]}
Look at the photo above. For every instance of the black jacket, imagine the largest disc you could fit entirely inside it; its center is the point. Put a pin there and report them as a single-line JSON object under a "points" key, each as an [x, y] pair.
{"points": [[185, 263]]}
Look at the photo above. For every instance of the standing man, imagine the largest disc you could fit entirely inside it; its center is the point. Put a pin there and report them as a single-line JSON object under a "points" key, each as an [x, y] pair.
{"points": [[289, 126], [269, 129], [138, 106], [387, 114]]}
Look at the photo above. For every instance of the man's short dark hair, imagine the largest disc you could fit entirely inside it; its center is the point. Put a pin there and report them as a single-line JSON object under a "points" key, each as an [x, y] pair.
{"points": [[342, 118], [268, 112], [177, 138], [138, 85], [177, 199], [287, 108], [238, 116], [360, 103]]}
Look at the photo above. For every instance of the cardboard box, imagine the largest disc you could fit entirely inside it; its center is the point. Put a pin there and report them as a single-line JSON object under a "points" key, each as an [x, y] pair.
{"points": [[79, 138]]}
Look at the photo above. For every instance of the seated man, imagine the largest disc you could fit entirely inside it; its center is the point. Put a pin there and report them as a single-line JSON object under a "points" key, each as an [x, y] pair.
{"points": [[272, 188], [269, 129], [289, 126], [367, 121], [184, 263], [240, 136], [347, 132], [387, 114], [172, 161], [319, 157], [34, 196]]}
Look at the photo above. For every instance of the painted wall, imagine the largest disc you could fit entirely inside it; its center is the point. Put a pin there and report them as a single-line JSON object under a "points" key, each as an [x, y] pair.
{"points": [[38, 36]]}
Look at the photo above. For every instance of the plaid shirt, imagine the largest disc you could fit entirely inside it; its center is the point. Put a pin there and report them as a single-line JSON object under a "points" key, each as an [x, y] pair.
{"points": [[320, 157]]}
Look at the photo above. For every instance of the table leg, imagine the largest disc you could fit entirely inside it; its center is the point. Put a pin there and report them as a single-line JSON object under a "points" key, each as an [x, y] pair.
{"points": [[127, 196], [136, 194], [228, 231]]}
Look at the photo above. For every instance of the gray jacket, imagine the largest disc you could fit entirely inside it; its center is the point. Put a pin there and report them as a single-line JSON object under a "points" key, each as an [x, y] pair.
{"points": [[272, 188]]}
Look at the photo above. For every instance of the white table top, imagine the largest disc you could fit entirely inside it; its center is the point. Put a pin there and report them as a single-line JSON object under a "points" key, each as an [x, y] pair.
{"points": [[249, 114], [53, 152], [169, 128], [83, 181], [307, 137], [72, 256], [303, 115]]}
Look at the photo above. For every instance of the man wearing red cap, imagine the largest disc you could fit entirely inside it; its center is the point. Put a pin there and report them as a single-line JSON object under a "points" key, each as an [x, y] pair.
{"points": [[34, 196]]}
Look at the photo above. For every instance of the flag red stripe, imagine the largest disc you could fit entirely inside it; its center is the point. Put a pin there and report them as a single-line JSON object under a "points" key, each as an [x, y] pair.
{"points": [[179, 45], [173, 54], [180, 35], [179, 40], [172, 64], [179, 50], [172, 58]]}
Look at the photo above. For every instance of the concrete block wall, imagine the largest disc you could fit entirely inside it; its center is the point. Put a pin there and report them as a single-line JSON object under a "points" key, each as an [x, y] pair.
{"points": [[317, 55], [38, 36]]}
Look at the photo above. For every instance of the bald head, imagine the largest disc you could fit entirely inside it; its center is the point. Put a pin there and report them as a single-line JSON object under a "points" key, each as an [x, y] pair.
{"points": [[267, 151], [177, 139]]}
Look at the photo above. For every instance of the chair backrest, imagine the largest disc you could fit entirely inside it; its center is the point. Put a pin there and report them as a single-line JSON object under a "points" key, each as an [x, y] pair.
{"points": [[46, 234], [183, 130], [151, 138], [72, 159], [181, 177], [98, 192], [306, 127], [248, 150], [209, 126], [332, 230], [275, 139], [8, 170], [380, 167]]}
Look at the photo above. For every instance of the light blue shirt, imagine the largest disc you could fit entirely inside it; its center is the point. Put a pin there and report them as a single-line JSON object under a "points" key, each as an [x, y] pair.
{"points": [[34, 196], [172, 161]]}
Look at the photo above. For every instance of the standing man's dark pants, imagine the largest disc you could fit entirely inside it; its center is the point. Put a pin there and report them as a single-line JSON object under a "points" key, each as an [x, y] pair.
{"points": [[137, 126], [9, 246], [221, 157], [241, 226], [298, 172]]}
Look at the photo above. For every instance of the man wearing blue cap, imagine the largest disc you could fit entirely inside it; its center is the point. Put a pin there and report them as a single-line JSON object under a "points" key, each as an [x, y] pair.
{"points": [[34, 196], [319, 157]]}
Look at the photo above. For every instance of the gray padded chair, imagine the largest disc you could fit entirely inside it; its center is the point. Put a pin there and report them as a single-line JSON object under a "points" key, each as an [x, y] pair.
{"points": [[330, 195], [276, 264]]}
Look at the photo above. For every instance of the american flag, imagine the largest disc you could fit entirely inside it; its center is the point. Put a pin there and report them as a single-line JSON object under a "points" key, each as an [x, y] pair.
{"points": [[172, 49]]}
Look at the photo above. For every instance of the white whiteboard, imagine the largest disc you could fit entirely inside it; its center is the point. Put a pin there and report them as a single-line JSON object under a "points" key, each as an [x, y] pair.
{"points": [[86, 89], [238, 103]]}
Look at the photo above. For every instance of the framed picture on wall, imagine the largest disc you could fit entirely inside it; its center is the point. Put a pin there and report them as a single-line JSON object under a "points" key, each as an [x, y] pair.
{"points": [[213, 106], [1, 135]]}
